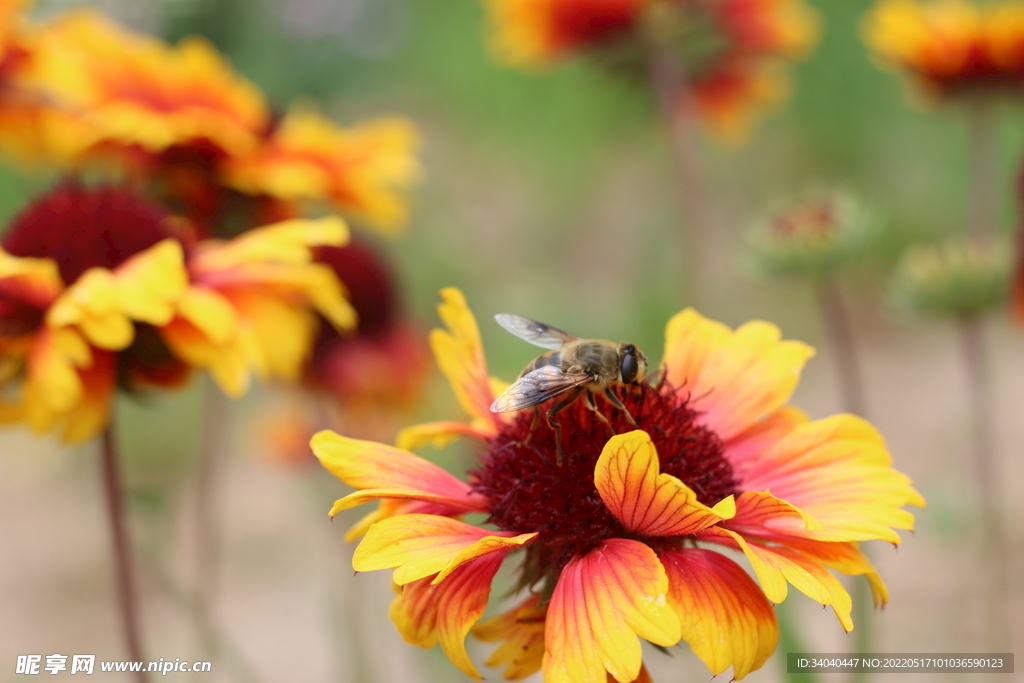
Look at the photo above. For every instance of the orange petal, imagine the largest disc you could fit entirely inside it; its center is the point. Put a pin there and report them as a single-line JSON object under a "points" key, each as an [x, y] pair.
{"points": [[644, 501], [603, 600], [845, 558], [837, 470], [459, 353], [419, 545], [426, 612], [734, 378], [521, 634], [440, 434], [36, 281], [725, 617], [774, 566], [746, 447], [381, 471], [756, 510], [392, 507]]}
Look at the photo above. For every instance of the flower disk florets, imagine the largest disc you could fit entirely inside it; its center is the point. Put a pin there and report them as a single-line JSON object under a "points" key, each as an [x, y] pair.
{"points": [[529, 491]]}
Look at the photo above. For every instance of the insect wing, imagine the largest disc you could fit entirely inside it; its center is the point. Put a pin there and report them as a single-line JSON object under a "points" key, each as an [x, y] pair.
{"points": [[536, 333], [536, 387]]}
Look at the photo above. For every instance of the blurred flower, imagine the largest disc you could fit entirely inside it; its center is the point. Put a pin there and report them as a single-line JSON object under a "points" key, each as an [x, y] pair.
{"points": [[361, 171], [133, 102], [731, 51], [956, 278], [141, 95], [79, 269], [609, 534], [96, 292], [744, 76], [951, 47], [812, 234], [253, 302], [533, 33], [363, 384]]}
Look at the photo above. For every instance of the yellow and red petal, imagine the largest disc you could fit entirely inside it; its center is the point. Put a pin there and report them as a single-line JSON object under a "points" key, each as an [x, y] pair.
{"points": [[747, 446], [34, 281], [735, 378], [69, 385], [440, 434], [603, 600], [363, 170], [845, 558], [418, 545], [725, 617], [838, 471], [759, 510], [135, 91], [426, 612], [646, 502], [459, 353], [775, 566], [521, 634], [104, 303], [370, 467], [288, 241]]}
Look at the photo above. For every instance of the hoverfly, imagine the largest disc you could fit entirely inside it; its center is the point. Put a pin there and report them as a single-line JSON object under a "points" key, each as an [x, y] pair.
{"points": [[575, 367]]}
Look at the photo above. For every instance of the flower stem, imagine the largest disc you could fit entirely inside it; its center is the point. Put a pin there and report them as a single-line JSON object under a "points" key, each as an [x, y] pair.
{"points": [[839, 328], [994, 550], [984, 159], [206, 514], [669, 82], [790, 641], [124, 570]]}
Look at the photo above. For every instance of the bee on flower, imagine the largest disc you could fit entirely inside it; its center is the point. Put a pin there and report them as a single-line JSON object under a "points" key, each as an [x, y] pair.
{"points": [[619, 541]]}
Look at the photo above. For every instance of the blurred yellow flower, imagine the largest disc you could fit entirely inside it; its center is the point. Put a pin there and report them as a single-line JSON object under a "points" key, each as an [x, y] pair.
{"points": [[96, 290], [79, 271], [731, 51], [745, 77], [139, 95], [530, 33], [362, 171], [252, 301], [951, 47]]}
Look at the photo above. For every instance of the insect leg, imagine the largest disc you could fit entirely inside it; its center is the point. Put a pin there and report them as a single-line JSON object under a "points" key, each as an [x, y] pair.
{"points": [[533, 425], [592, 404], [551, 414], [614, 400]]}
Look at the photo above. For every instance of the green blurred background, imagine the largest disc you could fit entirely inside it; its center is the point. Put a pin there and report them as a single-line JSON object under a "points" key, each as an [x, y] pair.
{"points": [[548, 195]]}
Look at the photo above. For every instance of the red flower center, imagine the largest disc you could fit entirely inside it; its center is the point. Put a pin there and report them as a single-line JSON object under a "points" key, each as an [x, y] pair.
{"points": [[82, 228], [528, 491]]}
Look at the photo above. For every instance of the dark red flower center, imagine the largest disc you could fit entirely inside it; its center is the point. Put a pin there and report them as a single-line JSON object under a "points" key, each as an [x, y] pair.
{"points": [[575, 24], [82, 228], [529, 491]]}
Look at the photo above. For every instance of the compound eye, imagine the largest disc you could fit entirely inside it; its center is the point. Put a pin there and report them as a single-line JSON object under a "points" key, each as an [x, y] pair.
{"points": [[630, 366]]}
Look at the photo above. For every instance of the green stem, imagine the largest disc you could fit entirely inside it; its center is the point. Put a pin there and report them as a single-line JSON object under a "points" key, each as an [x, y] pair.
{"points": [[984, 159], [124, 566], [839, 329], [995, 549], [790, 641], [669, 82], [207, 515]]}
